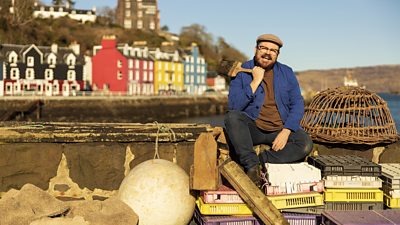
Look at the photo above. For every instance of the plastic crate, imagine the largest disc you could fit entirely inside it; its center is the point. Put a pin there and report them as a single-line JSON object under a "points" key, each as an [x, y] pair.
{"points": [[380, 217], [353, 195], [293, 188], [297, 200], [300, 219], [224, 194], [391, 175], [295, 173], [225, 220], [222, 208], [347, 165], [394, 193], [353, 206], [315, 210], [393, 203], [336, 181]]}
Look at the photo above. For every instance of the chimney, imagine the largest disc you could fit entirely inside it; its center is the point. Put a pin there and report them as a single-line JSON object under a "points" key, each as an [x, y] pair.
{"points": [[54, 48], [109, 42]]}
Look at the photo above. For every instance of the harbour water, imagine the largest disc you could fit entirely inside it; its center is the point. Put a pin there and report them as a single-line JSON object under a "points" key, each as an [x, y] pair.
{"points": [[392, 100]]}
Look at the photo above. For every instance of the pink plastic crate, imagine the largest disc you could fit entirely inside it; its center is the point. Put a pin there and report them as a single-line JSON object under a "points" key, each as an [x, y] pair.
{"points": [[225, 220], [298, 188], [224, 194]]}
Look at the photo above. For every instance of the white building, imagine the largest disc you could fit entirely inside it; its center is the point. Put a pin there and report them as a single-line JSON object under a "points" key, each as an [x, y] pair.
{"points": [[43, 11]]}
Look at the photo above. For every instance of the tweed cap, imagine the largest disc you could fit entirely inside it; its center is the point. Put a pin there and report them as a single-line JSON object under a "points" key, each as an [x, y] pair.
{"points": [[270, 38]]}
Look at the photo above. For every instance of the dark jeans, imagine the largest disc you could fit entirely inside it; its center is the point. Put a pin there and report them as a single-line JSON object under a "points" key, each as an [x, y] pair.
{"points": [[243, 134]]}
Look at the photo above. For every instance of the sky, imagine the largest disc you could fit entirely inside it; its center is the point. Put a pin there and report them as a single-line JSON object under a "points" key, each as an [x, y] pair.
{"points": [[317, 34]]}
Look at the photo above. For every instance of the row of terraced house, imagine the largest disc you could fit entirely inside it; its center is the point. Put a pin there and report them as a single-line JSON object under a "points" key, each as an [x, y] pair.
{"points": [[114, 68]]}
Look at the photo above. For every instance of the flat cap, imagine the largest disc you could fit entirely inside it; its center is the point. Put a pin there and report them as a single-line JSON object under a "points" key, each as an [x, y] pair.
{"points": [[270, 38]]}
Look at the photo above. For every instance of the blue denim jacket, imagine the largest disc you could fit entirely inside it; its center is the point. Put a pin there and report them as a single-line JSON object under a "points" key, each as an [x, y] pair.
{"points": [[288, 98]]}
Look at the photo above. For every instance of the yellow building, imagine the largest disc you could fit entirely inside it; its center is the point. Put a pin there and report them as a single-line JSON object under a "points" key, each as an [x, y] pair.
{"points": [[168, 71]]}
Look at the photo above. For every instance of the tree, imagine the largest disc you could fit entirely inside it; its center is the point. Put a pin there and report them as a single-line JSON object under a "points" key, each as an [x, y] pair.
{"points": [[107, 15], [23, 12], [58, 2], [165, 28], [71, 3]]}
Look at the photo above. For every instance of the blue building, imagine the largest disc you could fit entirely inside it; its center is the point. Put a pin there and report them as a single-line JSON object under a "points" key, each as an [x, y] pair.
{"points": [[195, 71]]}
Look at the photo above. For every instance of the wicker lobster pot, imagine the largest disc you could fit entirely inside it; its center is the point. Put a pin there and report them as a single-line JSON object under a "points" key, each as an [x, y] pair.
{"points": [[349, 115]]}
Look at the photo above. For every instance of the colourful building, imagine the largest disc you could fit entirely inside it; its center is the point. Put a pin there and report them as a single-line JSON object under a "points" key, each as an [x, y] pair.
{"points": [[195, 71], [168, 71], [109, 67], [41, 70], [122, 68]]}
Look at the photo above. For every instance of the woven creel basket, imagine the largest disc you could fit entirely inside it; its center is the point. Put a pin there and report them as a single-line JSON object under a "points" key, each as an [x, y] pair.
{"points": [[349, 115]]}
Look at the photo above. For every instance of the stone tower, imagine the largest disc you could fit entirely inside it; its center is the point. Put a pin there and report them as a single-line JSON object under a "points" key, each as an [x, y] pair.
{"points": [[138, 14]]}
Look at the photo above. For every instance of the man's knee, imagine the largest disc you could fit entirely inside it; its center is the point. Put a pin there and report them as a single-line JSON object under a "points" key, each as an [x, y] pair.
{"points": [[232, 116]]}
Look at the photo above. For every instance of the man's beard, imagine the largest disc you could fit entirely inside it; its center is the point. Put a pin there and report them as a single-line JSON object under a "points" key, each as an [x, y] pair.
{"points": [[265, 61]]}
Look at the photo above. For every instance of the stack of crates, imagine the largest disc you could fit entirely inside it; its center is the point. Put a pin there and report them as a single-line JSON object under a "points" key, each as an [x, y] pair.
{"points": [[223, 207], [294, 188], [391, 184], [370, 217], [351, 182]]}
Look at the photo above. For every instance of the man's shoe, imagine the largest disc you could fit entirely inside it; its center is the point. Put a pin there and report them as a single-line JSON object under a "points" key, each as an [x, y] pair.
{"points": [[254, 174]]}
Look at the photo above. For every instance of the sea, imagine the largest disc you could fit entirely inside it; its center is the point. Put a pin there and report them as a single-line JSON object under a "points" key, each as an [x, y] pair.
{"points": [[393, 101]]}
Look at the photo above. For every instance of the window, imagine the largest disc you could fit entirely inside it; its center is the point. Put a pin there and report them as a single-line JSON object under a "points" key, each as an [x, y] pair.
{"points": [[150, 65], [119, 75], [137, 75], [130, 63], [29, 74], [8, 88], [152, 25], [137, 64], [13, 59], [128, 13], [145, 65], [30, 61], [151, 76], [71, 75], [130, 74], [127, 5], [145, 76], [179, 78], [14, 74], [119, 64], [48, 74], [159, 77], [140, 14], [139, 24]]}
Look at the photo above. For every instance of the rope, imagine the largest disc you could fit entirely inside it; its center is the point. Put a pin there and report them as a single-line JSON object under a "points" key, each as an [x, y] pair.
{"points": [[164, 129]]}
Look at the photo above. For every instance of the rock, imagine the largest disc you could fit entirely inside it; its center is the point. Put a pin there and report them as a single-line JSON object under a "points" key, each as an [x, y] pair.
{"points": [[29, 204], [78, 220], [109, 212]]}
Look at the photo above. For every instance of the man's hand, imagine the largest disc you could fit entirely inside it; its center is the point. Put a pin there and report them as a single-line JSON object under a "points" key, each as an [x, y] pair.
{"points": [[281, 140], [258, 76]]}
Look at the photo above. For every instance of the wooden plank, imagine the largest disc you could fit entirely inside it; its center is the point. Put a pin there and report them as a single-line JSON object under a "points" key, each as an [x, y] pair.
{"points": [[53, 132], [255, 199], [204, 175]]}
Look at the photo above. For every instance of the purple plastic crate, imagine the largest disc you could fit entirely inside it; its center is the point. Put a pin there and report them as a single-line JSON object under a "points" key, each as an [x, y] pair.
{"points": [[300, 219], [225, 220], [370, 217]]}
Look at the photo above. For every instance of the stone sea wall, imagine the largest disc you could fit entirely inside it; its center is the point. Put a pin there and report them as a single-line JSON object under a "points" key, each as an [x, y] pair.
{"points": [[110, 109]]}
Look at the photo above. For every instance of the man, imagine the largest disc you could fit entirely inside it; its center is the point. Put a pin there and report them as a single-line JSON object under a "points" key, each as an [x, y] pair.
{"points": [[266, 107]]}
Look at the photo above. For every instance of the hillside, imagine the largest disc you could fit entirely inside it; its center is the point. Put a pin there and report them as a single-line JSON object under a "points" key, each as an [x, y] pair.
{"points": [[382, 78], [23, 29]]}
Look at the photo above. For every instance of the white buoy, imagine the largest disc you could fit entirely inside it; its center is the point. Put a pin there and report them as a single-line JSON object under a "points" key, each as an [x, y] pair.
{"points": [[158, 191]]}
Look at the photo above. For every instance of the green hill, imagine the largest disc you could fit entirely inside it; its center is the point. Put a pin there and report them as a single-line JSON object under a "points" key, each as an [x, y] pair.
{"points": [[23, 29]]}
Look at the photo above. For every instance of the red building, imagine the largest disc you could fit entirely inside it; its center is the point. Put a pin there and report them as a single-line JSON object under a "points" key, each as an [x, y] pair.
{"points": [[132, 64], [110, 67]]}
